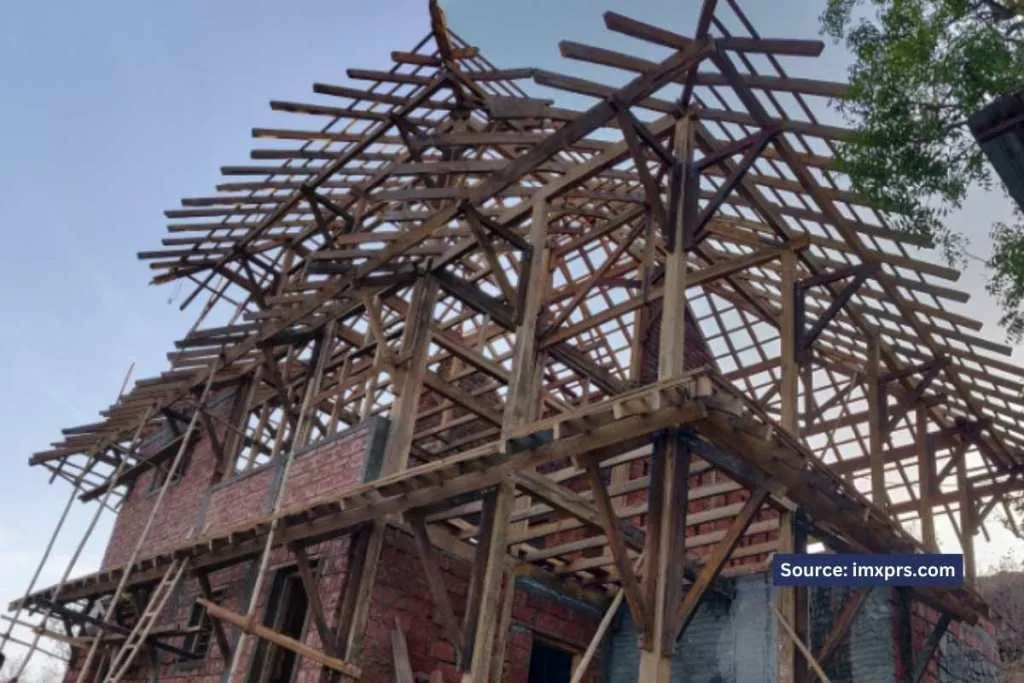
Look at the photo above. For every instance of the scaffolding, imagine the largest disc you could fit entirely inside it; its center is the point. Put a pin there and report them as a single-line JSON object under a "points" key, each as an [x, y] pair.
{"points": [[537, 297]]}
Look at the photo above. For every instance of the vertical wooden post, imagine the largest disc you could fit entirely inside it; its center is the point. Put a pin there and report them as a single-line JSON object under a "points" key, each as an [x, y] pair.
{"points": [[412, 362], [666, 528], [786, 599], [926, 477], [402, 424], [787, 335], [503, 625], [875, 426], [523, 393], [490, 589], [967, 526]]}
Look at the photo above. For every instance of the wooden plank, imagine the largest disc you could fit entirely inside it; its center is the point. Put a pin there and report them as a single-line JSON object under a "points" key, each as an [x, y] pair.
{"points": [[400, 654], [719, 556], [609, 521], [316, 604], [260, 631], [435, 581], [929, 647], [490, 587], [840, 627]]}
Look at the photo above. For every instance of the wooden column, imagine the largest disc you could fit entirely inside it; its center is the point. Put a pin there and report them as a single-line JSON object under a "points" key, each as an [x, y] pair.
{"points": [[524, 390], [926, 477], [489, 601], [967, 526], [402, 423], [875, 426], [411, 366], [666, 526], [786, 599]]}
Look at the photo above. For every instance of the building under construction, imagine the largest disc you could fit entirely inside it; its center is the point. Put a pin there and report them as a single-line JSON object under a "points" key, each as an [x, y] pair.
{"points": [[484, 388]]}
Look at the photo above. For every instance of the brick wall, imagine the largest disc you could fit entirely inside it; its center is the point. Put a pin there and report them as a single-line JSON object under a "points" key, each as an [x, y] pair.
{"points": [[327, 467], [197, 505], [966, 654], [400, 593]]}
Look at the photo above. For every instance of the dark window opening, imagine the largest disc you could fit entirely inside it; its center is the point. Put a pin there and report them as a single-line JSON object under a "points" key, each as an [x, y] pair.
{"points": [[160, 472], [286, 614], [200, 629], [549, 663]]}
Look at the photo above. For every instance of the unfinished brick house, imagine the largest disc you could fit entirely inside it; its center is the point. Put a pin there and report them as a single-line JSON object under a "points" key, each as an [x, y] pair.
{"points": [[488, 389]]}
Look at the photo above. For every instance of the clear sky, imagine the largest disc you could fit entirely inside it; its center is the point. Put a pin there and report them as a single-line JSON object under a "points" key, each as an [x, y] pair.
{"points": [[110, 111]]}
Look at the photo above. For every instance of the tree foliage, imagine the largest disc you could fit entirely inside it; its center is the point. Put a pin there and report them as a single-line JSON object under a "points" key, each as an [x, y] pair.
{"points": [[921, 69]]}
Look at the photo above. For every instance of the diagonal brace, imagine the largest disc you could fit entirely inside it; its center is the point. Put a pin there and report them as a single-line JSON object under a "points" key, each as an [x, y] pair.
{"points": [[805, 337]]}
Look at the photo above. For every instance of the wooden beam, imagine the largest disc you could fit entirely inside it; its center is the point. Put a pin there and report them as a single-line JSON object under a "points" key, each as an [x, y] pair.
{"points": [[413, 356], [271, 636], [221, 638], [967, 526], [595, 642], [400, 655], [316, 605], [929, 647], [926, 479], [719, 556], [359, 590], [609, 521], [840, 627], [490, 587], [786, 598], [795, 639], [666, 543], [435, 581], [503, 626]]}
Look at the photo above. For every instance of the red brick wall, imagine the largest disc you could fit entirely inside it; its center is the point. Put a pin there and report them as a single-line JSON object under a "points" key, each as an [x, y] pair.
{"points": [[176, 518], [400, 591], [195, 505], [980, 639]]}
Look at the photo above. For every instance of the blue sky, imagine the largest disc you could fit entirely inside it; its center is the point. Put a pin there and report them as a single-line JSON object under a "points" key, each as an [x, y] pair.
{"points": [[111, 111]]}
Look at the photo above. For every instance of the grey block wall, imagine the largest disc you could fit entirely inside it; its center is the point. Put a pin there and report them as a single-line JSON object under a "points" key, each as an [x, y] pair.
{"points": [[961, 664], [868, 653], [734, 642], [727, 642]]}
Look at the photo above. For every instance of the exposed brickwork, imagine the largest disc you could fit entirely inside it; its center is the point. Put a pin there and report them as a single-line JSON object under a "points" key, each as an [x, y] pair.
{"points": [[967, 654], [400, 591], [176, 518]]}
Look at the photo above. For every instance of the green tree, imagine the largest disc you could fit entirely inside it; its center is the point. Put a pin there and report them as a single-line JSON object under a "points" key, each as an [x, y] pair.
{"points": [[920, 69]]}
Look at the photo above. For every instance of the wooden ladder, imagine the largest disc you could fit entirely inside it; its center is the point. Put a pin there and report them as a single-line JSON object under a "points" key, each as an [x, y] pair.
{"points": [[140, 631]]}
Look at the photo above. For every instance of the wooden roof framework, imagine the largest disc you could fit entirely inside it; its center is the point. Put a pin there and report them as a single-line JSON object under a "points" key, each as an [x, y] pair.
{"points": [[485, 267]]}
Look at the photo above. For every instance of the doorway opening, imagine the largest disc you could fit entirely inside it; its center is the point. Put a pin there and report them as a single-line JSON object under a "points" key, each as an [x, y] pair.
{"points": [[285, 613]]}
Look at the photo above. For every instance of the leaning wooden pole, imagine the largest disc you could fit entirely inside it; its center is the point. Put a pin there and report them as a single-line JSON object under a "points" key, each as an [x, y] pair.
{"points": [[46, 556], [297, 444], [123, 583], [73, 560]]}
